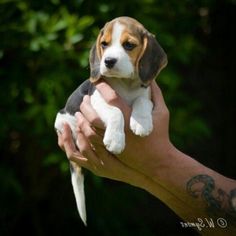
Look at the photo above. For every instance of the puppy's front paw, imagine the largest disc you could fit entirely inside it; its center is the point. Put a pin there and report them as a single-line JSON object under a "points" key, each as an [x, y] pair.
{"points": [[114, 141], [141, 126]]}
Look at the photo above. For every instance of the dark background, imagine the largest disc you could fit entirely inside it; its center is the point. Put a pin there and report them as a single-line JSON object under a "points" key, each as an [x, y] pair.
{"points": [[44, 48]]}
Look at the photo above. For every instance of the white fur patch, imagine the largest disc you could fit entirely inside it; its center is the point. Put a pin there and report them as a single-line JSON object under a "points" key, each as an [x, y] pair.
{"points": [[65, 118], [141, 117], [123, 67], [139, 98], [114, 137], [77, 178]]}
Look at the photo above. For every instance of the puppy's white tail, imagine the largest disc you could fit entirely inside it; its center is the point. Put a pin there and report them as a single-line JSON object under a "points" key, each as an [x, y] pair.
{"points": [[77, 179]]}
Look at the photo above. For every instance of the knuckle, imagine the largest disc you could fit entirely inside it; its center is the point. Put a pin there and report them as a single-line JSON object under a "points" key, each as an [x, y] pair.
{"points": [[112, 98], [79, 116], [84, 151], [90, 134], [68, 137], [81, 123], [69, 155], [81, 107], [59, 140], [84, 148], [95, 120], [166, 112], [60, 144], [65, 138], [84, 102], [86, 99], [77, 130]]}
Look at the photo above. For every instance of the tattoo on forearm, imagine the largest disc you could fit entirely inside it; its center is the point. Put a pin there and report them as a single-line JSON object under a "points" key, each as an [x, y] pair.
{"points": [[219, 202]]}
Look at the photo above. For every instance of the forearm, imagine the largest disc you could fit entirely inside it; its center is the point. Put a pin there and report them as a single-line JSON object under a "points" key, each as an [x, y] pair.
{"points": [[152, 163], [194, 191]]}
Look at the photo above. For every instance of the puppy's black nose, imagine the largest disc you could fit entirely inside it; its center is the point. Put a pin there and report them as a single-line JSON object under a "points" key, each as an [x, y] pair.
{"points": [[110, 62]]}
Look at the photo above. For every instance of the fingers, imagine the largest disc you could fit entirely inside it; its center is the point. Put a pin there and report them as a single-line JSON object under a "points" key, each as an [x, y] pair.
{"points": [[89, 113], [87, 151], [85, 156], [157, 98], [66, 140], [109, 94], [60, 140], [94, 135], [113, 99]]}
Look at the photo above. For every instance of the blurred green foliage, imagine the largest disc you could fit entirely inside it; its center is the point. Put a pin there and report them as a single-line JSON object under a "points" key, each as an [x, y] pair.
{"points": [[44, 49]]}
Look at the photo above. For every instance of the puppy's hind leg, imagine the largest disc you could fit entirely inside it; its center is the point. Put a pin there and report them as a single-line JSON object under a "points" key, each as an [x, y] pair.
{"points": [[77, 178]]}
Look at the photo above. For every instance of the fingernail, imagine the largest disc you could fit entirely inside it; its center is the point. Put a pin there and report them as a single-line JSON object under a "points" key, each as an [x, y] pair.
{"points": [[86, 98]]}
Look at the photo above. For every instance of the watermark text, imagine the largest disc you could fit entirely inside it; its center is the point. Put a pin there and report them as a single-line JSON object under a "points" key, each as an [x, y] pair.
{"points": [[202, 223]]}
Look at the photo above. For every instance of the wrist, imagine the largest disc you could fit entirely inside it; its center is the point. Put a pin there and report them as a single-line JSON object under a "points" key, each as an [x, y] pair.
{"points": [[175, 168], [137, 179], [165, 155]]}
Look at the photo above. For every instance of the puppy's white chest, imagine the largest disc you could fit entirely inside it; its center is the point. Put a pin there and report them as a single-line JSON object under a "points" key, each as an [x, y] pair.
{"points": [[141, 118], [129, 90]]}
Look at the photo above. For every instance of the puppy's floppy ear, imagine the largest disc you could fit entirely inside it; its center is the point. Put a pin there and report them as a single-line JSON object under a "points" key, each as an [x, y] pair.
{"points": [[94, 60], [152, 59]]}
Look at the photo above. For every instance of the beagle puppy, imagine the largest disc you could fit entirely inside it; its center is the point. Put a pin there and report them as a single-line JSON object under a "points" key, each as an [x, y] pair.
{"points": [[127, 57]]}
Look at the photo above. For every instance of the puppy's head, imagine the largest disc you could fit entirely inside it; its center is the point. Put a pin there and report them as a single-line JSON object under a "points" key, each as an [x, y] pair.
{"points": [[125, 49]]}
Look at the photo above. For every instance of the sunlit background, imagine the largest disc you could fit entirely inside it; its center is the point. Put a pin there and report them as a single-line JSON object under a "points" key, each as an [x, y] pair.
{"points": [[44, 48]]}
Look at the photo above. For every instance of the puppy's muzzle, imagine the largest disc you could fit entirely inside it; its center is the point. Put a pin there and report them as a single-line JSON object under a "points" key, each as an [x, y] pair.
{"points": [[110, 62]]}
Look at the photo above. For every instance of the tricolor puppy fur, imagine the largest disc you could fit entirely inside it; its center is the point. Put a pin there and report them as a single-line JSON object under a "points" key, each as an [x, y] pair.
{"points": [[127, 57]]}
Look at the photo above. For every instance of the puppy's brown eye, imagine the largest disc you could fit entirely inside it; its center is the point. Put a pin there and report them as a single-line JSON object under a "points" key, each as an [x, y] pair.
{"points": [[129, 46], [104, 44]]}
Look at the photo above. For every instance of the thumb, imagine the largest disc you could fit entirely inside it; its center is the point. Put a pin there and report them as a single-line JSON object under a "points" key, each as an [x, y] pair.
{"points": [[113, 98], [157, 97]]}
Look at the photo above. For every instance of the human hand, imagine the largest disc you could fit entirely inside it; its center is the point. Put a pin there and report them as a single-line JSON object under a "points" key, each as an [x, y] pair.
{"points": [[151, 163], [145, 154], [99, 161]]}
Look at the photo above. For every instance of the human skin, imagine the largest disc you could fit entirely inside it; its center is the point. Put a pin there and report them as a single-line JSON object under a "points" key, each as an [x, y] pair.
{"points": [[153, 163]]}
